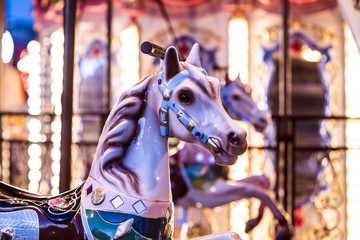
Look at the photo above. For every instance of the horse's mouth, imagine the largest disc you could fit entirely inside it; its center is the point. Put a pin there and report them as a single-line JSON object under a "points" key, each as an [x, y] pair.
{"points": [[224, 158], [260, 127]]}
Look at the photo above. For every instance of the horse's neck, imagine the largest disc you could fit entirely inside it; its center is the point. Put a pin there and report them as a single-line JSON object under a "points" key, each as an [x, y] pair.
{"points": [[148, 157]]}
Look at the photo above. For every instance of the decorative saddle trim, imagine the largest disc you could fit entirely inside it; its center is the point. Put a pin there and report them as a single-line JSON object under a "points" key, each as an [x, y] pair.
{"points": [[105, 225], [56, 208], [98, 197]]}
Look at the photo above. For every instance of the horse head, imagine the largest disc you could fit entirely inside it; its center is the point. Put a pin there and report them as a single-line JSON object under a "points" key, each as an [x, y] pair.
{"points": [[197, 114], [238, 102]]}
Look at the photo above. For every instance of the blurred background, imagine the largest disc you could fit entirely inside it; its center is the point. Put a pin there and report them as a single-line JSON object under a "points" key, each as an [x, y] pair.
{"points": [[300, 58]]}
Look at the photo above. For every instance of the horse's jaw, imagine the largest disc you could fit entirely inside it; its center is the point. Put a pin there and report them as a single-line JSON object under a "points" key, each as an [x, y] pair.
{"points": [[224, 159]]}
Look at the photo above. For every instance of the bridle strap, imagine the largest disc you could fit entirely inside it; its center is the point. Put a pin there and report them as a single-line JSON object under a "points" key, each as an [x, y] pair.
{"points": [[169, 103], [227, 103]]}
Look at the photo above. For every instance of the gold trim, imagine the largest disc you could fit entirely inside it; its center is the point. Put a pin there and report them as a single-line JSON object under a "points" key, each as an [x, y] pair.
{"points": [[98, 196]]}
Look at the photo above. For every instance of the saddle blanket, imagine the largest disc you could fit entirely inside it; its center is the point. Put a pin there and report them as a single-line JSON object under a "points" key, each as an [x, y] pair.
{"points": [[19, 225]]}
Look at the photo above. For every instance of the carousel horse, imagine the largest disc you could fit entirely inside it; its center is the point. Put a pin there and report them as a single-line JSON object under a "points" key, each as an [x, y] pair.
{"points": [[196, 180], [127, 194]]}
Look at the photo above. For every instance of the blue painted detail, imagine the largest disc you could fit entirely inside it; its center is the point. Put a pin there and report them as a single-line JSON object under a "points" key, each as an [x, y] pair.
{"points": [[227, 103], [24, 223], [184, 118], [85, 223], [325, 52], [103, 225]]}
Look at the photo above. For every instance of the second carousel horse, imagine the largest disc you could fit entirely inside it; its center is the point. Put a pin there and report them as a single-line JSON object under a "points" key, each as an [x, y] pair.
{"points": [[197, 180]]}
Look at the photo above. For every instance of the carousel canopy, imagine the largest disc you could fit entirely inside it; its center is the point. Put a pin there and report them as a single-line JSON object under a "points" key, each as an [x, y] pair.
{"points": [[177, 8]]}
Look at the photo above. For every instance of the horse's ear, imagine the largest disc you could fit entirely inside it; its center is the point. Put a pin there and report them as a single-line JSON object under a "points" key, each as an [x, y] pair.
{"points": [[171, 60], [227, 80], [238, 80], [194, 56]]}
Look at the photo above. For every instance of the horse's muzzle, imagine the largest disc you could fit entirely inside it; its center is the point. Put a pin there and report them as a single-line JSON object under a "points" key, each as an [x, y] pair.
{"points": [[237, 143]]}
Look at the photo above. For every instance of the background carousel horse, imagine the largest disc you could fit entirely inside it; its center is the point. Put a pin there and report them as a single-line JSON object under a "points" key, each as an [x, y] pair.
{"points": [[197, 180], [127, 194]]}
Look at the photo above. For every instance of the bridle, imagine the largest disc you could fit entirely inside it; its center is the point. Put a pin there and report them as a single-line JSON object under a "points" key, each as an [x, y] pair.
{"points": [[227, 103], [169, 103]]}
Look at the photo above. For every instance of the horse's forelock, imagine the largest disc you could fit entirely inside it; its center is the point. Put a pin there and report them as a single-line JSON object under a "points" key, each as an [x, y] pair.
{"points": [[209, 85]]}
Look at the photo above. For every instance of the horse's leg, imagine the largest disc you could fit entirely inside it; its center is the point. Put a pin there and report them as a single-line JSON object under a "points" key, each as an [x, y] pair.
{"points": [[220, 236], [263, 182], [252, 223], [227, 191]]}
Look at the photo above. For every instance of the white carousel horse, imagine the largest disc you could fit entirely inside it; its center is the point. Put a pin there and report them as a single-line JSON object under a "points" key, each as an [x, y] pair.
{"points": [[127, 194], [141, 171], [218, 190]]}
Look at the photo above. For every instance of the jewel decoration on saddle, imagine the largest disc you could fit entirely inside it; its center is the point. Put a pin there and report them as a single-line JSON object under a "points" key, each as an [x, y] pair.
{"points": [[98, 196]]}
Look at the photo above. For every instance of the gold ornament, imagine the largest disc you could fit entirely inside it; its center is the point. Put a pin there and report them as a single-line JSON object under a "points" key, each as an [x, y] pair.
{"points": [[98, 196]]}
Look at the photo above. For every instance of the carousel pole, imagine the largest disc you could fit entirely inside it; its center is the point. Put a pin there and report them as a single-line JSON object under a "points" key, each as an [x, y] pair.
{"points": [[286, 109], [2, 30], [108, 73], [67, 95]]}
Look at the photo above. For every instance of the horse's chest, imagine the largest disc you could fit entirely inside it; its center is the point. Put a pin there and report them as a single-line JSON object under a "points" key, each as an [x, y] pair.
{"points": [[106, 224]]}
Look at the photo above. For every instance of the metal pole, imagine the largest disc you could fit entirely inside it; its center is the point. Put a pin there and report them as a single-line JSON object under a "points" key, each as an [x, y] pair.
{"points": [[67, 95], [2, 30], [286, 81], [109, 36]]}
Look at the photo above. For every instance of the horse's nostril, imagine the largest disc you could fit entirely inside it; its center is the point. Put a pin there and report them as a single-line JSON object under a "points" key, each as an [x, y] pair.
{"points": [[233, 139], [263, 120]]}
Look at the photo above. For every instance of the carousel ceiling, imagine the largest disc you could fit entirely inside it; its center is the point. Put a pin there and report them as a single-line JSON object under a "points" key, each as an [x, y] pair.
{"points": [[179, 8]]}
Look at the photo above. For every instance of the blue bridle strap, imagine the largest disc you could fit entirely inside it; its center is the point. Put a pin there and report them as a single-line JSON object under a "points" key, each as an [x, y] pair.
{"points": [[169, 103], [227, 103]]}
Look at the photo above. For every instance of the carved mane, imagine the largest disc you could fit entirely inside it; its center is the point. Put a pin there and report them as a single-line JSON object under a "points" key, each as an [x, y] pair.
{"points": [[118, 132]]}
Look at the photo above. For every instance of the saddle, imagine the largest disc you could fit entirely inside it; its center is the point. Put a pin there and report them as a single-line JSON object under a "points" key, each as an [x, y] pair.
{"points": [[58, 208]]}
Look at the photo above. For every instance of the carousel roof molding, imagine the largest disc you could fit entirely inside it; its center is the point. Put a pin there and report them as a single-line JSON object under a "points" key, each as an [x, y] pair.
{"points": [[51, 10]]}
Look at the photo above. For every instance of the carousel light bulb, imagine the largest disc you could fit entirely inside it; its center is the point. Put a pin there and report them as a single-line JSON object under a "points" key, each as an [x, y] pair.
{"points": [[32, 90], [34, 110], [34, 150], [55, 168], [58, 110], [34, 137], [33, 47], [22, 64], [34, 163], [311, 55], [35, 125], [55, 154], [7, 47], [238, 48], [129, 56], [55, 181], [34, 175], [57, 38]]}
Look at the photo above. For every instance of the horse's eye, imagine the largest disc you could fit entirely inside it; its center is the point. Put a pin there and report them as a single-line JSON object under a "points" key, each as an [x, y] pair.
{"points": [[186, 97], [236, 97]]}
